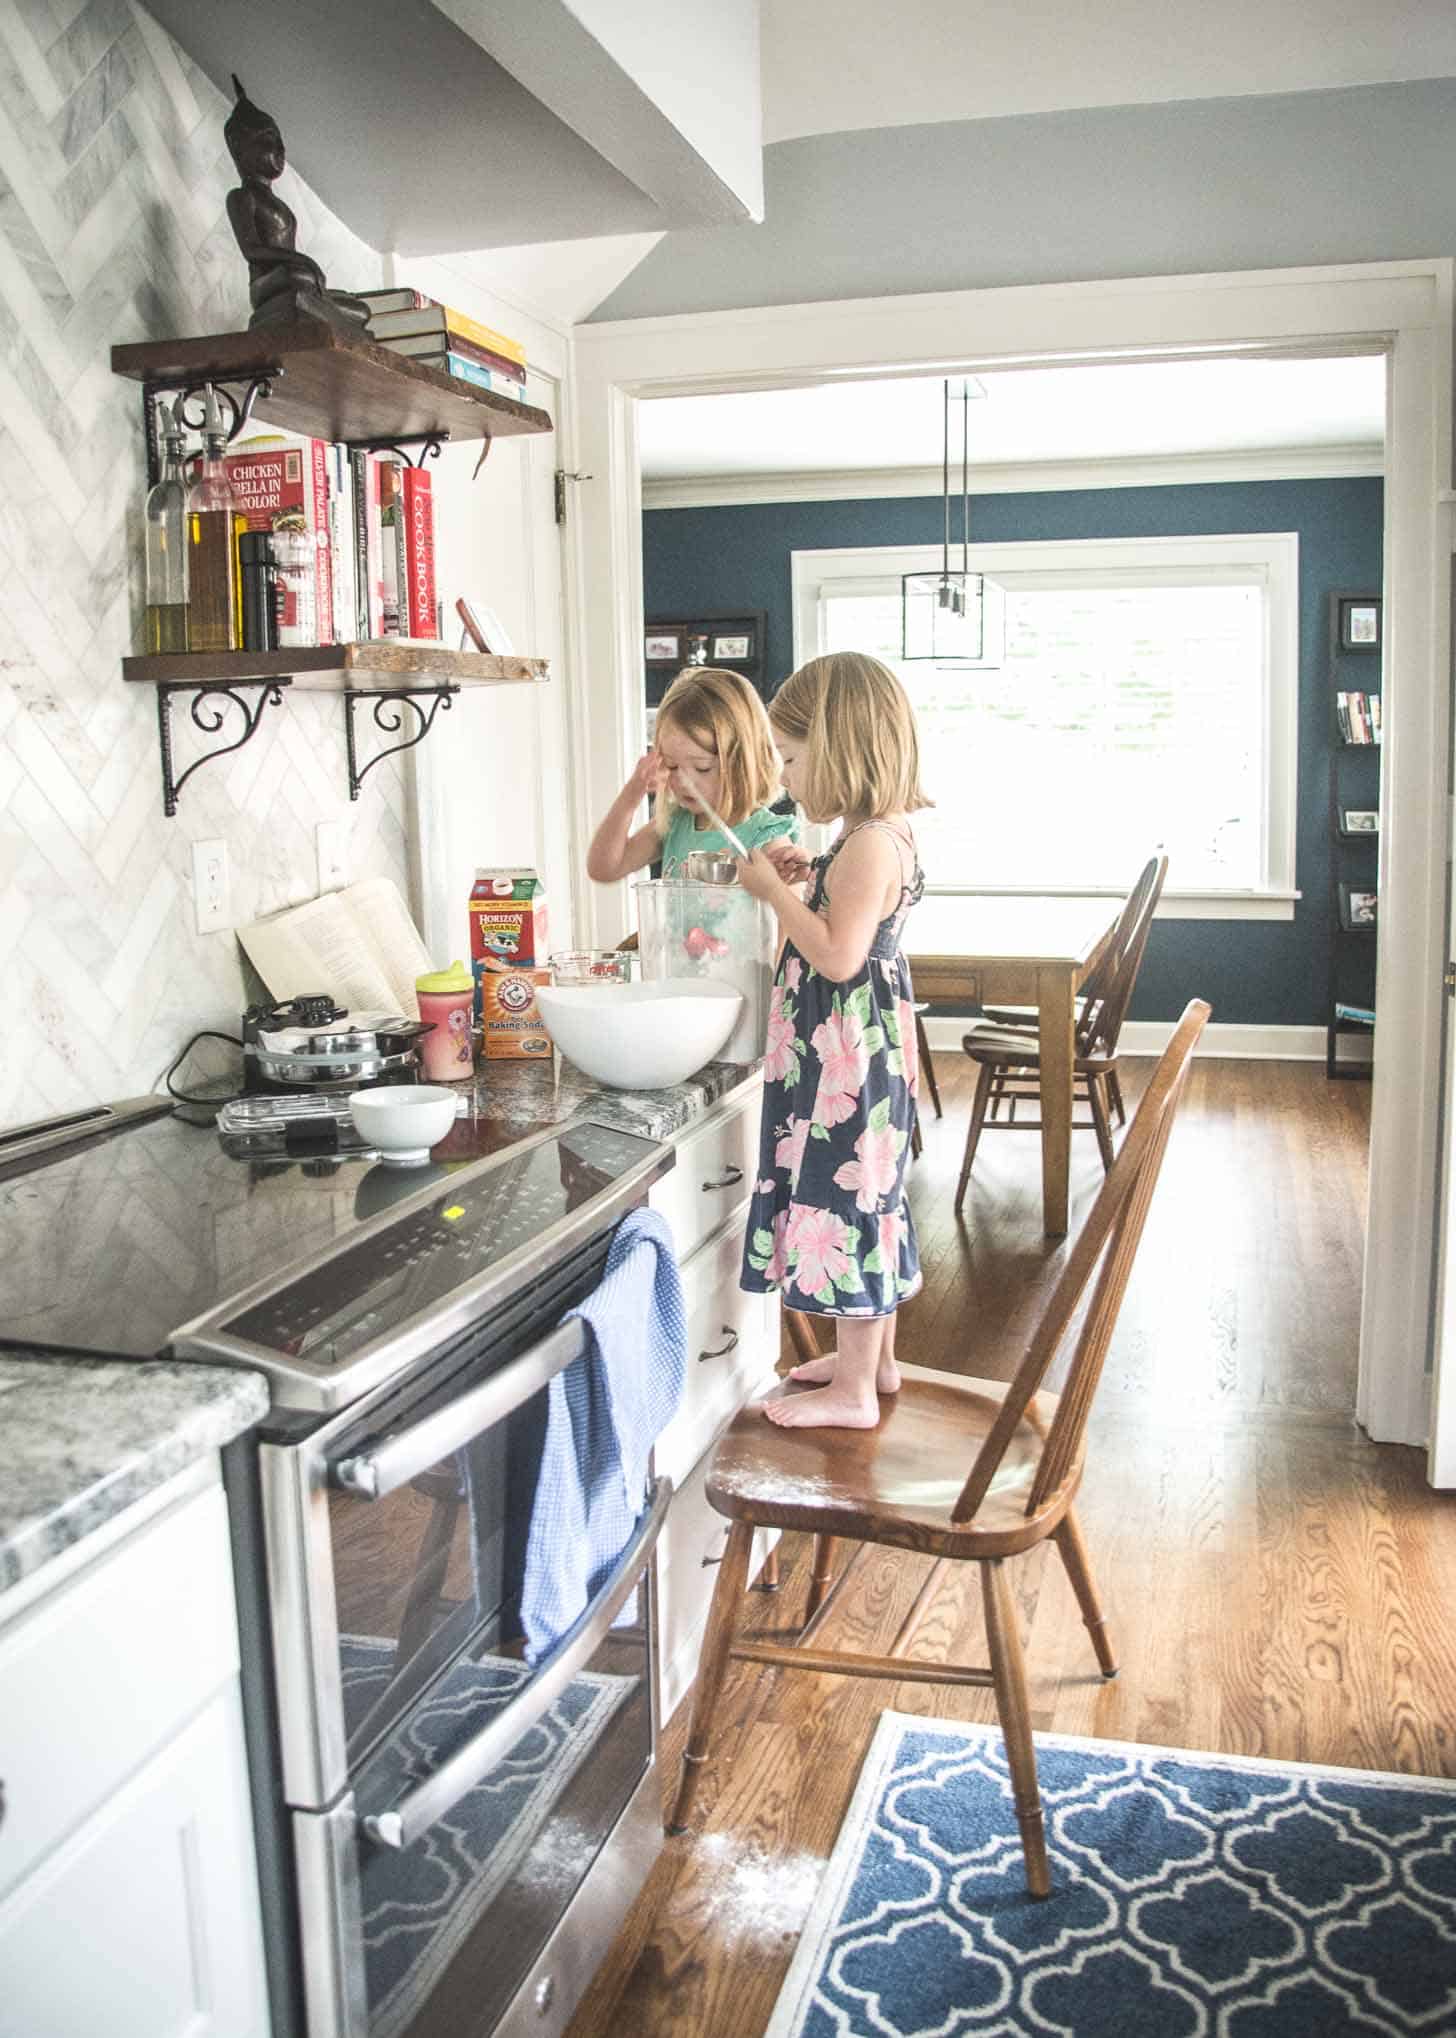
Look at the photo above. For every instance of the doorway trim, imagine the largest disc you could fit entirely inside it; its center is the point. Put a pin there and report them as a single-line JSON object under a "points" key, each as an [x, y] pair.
{"points": [[1403, 308]]}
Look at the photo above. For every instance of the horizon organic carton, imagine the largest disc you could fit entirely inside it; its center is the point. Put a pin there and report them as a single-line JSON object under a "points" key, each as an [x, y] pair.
{"points": [[508, 958]]}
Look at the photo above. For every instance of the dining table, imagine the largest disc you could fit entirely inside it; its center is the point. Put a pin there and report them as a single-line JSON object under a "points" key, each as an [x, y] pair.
{"points": [[1031, 950]]}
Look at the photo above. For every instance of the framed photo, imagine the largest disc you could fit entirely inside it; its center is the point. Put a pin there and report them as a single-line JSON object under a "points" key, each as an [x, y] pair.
{"points": [[481, 629], [1359, 821], [664, 647], [730, 650], [1359, 622], [1357, 908]]}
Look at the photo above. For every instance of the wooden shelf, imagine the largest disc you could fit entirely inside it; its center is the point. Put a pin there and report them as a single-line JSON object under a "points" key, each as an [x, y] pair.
{"points": [[335, 668], [332, 386]]}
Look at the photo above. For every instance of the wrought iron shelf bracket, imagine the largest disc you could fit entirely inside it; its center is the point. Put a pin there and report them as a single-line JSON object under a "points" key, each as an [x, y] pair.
{"points": [[388, 715], [429, 444], [210, 706], [237, 408]]}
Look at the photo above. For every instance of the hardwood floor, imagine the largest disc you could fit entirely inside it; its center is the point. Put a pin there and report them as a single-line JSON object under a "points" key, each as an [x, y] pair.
{"points": [[1275, 1584]]}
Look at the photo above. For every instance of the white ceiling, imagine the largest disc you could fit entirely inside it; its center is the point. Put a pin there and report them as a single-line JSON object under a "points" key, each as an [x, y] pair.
{"points": [[1116, 411], [832, 65]]}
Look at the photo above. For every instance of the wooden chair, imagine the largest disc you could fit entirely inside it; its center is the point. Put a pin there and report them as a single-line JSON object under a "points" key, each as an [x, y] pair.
{"points": [[905, 1483], [1009, 1056]]}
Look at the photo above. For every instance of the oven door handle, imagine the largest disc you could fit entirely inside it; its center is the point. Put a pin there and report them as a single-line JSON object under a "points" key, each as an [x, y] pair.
{"points": [[373, 1474], [421, 1808]]}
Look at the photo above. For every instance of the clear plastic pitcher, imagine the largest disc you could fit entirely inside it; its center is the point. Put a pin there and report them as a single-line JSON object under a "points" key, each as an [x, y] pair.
{"points": [[685, 929]]}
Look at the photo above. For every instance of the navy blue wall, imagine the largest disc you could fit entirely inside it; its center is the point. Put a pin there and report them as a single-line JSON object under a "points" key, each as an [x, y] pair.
{"points": [[1252, 972]]}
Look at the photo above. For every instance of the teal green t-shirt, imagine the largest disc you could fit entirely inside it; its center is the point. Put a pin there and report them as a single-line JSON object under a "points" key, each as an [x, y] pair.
{"points": [[684, 836]]}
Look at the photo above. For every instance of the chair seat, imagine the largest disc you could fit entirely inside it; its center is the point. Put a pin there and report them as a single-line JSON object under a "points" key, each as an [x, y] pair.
{"points": [[897, 1483], [1006, 1044]]}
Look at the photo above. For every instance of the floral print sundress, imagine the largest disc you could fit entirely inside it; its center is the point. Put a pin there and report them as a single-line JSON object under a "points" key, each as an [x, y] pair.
{"points": [[829, 1224]]}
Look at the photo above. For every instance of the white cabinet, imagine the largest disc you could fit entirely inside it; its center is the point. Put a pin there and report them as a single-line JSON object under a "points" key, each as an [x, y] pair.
{"points": [[733, 1344], [128, 1888]]}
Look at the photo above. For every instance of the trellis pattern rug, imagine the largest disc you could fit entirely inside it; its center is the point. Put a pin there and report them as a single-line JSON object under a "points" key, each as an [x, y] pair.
{"points": [[419, 1905], [1194, 1896]]}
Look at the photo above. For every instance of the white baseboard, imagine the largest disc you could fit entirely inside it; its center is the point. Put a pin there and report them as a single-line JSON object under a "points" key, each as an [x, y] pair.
{"points": [[1230, 1042]]}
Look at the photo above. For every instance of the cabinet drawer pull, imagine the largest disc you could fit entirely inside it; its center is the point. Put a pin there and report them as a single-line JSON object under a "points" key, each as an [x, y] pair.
{"points": [[717, 1351], [728, 1181]]}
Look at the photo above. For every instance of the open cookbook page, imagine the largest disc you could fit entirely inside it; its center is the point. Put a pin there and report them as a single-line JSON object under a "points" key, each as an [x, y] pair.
{"points": [[358, 945]]}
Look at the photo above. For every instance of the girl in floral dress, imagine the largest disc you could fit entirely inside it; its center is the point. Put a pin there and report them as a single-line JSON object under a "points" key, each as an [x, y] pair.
{"points": [[829, 1225]]}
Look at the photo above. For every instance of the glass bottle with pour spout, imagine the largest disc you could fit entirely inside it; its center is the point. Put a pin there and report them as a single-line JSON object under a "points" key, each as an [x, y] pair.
{"points": [[166, 521], [214, 523]]}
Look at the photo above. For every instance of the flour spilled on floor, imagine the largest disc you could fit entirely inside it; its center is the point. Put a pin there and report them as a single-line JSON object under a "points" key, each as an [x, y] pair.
{"points": [[756, 1895]]}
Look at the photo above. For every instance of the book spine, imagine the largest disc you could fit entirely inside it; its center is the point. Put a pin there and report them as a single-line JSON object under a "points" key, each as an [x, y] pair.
{"points": [[498, 364], [340, 551], [484, 378], [373, 469], [467, 328], [1375, 715], [1342, 717], [419, 528], [318, 521], [390, 521], [359, 539]]}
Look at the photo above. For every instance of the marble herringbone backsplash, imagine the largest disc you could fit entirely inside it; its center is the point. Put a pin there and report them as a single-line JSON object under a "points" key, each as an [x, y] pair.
{"points": [[113, 176]]}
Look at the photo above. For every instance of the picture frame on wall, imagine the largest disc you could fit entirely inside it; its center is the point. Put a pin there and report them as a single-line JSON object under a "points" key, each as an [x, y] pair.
{"points": [[1359, 821], [735, 648], [1359, 622], [663, 647], [1358, 908]]}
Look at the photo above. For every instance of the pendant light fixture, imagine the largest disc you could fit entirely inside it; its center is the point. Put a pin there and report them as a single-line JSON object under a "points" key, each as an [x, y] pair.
{"points": [[953, 616]]}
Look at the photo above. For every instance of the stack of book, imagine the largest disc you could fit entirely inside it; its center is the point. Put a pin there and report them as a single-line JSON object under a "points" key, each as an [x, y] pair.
{"points": [[1358, 715], [372, 519], [408, 322]]}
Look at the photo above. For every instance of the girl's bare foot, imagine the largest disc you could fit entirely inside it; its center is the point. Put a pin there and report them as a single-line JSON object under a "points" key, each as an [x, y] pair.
{"points": [[826, 1408], [820, 1372]]}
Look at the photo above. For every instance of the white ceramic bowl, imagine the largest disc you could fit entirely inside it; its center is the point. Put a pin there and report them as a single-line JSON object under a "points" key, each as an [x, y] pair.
{"points": [[640, 1036], [404, 1120]]}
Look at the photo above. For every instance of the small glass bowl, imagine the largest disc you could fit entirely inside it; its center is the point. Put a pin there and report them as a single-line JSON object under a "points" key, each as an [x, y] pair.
{"points": [[591, 966]]}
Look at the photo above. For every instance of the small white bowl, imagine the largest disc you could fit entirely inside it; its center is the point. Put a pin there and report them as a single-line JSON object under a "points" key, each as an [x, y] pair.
{"points": [[404, 1120]]}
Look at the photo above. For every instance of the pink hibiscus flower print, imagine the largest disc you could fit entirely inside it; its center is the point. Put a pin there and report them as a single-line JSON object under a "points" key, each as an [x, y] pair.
{"points": [[793, 973], [892, 1230], [816, 1239], [789, 1153], [780, 1055], [874, 1172], [843, 1065], [778, 1261]]}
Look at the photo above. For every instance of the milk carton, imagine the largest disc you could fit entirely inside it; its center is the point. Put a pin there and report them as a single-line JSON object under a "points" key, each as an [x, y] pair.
{"points": [[508, 958]]}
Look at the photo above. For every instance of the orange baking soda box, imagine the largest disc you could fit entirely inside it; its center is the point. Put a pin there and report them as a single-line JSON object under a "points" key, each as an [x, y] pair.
{"points": [[508, 956]]}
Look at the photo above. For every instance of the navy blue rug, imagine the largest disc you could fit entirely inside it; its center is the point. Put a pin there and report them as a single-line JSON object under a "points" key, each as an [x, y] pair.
{"points": [[419, 1905], [1194, 1896]]}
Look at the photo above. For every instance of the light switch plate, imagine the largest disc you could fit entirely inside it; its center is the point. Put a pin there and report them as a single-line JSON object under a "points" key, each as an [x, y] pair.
{"points": [[211, 886], [331, 847]]}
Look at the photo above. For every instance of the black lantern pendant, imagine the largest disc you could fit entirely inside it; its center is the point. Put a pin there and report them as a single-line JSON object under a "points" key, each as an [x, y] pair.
{"points": [[954, 616]]}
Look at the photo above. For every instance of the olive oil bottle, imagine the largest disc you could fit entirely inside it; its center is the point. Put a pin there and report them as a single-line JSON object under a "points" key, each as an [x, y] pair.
{"points": [[214, 522], [166, 519]]}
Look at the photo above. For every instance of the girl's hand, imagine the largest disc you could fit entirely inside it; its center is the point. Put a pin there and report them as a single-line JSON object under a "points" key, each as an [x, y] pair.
{"points": [[649, 775], [758, 875], [792, 863]]}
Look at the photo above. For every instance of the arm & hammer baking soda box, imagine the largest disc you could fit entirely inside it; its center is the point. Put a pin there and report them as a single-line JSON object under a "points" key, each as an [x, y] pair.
{"points": [[508, 958]]}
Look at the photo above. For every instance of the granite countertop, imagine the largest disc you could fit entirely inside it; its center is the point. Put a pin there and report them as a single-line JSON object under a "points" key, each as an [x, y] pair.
{"points": [[528, 1095], [85, 1438]]}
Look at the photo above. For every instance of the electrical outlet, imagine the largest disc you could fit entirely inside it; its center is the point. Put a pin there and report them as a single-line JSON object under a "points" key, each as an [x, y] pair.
{"points": [[331, 846], [210, 886]]}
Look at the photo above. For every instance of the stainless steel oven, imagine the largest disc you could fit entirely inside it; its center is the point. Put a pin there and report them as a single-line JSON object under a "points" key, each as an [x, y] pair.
{"points": [[461, 1829]]}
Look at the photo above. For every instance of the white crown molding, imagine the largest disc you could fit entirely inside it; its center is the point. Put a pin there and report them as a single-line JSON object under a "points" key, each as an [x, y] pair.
{"points": [[1231, 1042], [1171, 470]]}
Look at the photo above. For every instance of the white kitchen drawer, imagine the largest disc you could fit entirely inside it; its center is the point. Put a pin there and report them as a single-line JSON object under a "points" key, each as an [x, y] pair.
{"points": [[690, 1549], [732, 1348], [95, 1677], [144, 1923], [713, 1174]]}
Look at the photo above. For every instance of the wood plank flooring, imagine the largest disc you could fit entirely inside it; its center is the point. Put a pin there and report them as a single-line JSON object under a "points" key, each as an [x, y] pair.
{"points": [[1275, 1584]]}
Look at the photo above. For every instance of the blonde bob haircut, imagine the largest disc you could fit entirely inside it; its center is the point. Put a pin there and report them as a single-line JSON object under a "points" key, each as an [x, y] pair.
{"points": [[857, 728], [721, 712]]}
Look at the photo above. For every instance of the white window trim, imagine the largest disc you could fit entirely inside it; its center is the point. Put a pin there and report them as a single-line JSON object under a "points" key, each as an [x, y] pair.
{"points": [[1267, 558]]}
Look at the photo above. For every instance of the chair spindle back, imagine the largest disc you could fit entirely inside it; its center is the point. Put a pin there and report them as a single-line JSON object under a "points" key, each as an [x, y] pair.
{"points": [[1107, 992]]}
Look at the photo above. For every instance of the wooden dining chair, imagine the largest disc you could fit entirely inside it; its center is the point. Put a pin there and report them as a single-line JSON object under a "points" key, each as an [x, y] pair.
{"points": [[1008, 1054], [960, 1470]]}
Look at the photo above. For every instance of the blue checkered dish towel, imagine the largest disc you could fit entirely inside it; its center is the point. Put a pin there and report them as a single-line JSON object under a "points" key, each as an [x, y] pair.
{"points": [[606, 1410]]}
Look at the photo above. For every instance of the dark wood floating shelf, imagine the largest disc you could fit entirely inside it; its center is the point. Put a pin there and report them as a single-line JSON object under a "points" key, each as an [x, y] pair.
{"points": [[338, 668], [332, 386]]}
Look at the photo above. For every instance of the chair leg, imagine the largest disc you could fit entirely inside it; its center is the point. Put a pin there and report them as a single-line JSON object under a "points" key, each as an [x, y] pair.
{"points": [[917, 1144], [1099, 1119], [801, 1335], [1114, 1091], [973, 1130], [712, 1665], [822, 1575], [1008, 1669], [768, 1576], [926, 1065], [1068, 1539]]}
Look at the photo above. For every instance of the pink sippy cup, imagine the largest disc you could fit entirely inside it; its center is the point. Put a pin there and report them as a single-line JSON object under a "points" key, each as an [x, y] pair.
{"points": [[447, 997]]}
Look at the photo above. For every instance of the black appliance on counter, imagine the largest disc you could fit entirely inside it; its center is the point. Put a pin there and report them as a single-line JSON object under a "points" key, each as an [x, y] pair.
{"points": [[336, 1057], [448, 1836]]}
